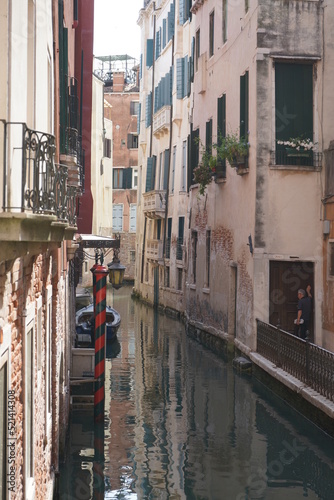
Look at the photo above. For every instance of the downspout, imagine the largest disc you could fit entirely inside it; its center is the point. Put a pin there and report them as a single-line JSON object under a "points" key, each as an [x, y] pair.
{"points": [[170, 158], [151, 137]]}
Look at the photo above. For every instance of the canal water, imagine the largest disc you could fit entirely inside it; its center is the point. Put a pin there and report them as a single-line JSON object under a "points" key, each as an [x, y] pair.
{"points": [[180, 423]]}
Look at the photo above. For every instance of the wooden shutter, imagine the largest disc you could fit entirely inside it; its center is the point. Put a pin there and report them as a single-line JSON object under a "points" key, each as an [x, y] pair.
{"points": [[294, 100], [149, 52], [221, 128], [244, 105], [179, 78], [133, 218], [208, 135], [127, 178], [117, 217], [150, 173], [138, 118], [181, 11], [164, 32], [148, 109], [166, 168]]}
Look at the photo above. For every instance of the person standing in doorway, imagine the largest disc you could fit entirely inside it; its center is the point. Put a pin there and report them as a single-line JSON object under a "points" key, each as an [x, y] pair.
{"points": [[304, 311]]}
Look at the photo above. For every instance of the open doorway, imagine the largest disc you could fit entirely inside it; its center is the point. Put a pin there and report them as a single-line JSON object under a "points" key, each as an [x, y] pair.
{"points": [[285, 280]]}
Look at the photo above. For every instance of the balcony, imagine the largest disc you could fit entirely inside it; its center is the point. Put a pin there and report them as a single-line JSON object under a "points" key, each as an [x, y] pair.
{"points": [[309, 160], [37, 202], [155, 204], [154, 250], [71, 153], [161, 121]]}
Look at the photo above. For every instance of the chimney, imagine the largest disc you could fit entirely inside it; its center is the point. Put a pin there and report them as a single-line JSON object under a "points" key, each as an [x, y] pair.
{"points": [[118, 81]]}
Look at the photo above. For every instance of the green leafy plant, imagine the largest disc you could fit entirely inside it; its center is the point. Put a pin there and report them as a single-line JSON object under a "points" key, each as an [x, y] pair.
{"points": [[205, 170], [232, 148]]}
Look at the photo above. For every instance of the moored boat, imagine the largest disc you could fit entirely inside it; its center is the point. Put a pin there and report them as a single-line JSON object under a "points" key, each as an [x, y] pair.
{"points": [[85, 325]]}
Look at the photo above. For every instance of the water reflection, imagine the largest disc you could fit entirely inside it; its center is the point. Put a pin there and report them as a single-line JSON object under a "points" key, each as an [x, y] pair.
{"points": [[179, 423]]}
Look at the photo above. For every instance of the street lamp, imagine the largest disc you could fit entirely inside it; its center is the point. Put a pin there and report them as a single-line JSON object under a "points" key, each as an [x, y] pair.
{"points": [[116, 271]]}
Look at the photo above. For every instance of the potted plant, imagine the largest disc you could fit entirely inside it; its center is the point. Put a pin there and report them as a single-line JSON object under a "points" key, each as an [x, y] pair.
{"points": [[234, 149]]}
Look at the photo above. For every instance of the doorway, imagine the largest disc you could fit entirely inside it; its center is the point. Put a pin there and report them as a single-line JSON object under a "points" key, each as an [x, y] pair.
{"points": [[285, 280]]}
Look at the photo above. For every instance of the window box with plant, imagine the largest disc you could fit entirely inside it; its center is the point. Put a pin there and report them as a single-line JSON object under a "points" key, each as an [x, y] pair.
{"points": [[295, 151], [205, 171]]}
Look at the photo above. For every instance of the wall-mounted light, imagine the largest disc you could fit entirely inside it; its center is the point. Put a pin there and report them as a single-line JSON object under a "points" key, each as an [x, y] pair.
{"points": [[116, 271], [250, 244]]}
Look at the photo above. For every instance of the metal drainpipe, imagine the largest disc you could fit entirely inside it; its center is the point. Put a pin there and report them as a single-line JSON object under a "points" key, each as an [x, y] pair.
{"points": [[151, 136], [170, 157]]}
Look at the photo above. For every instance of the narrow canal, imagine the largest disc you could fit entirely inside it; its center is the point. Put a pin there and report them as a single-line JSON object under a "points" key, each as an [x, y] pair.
{"points": [[180, 423]]}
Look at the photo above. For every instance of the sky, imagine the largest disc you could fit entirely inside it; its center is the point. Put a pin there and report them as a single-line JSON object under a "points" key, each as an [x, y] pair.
{"points": [[115, 27]]}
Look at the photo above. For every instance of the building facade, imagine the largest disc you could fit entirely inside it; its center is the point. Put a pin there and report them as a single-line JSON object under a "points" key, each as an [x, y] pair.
{"points": [[41, 183], [237, 249]]}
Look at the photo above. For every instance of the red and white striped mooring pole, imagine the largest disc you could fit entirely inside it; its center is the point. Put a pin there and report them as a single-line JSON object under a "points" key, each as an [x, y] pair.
{"points": [[100, 273]]}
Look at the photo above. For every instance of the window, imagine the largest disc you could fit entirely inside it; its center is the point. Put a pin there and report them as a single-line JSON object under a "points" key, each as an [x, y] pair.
{"points": [[179, 278], [134, 178], [194, 153], [173, 169], [117, 217], [194, 254], [132, 141], [149, 52], [224, 26], [170, 22], [150, 173], [294, 106], [179, 250], [48, 356], [184, 11], [169, 237], [117, 178], [244, 105], [208, 251], [208, 136], [133, 218], [167, 281], [246, 6], [221, 131], [148, 110], [132, 256], [107, 148], [184, 166], [182, 77], [331, 259], [134, 107], [197, 48], [212, 33]]}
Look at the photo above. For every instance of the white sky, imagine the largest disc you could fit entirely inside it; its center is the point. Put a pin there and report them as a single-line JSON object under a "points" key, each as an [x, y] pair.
{"points": [[115, 27]]}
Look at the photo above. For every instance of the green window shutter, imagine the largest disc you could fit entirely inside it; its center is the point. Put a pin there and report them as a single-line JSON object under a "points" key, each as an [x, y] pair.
{"points": [[221, 127], [149, 52], [149, 174], [156, 99], [244, 104], [166, 168], [127, 178], [171, 76], [164, 32], [208, 136], [179, 78], [138, 118], [157, 44], [221, 117], [181, 228], [148, 109], [185, 76], [181, 11], [192, 59], [171, 22], [169, 228], [293, 101], [141, 67], [194, 153]]}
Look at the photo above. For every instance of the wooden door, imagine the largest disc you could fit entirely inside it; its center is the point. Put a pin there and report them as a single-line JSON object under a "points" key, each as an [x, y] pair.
{"points": [[285, 280]]}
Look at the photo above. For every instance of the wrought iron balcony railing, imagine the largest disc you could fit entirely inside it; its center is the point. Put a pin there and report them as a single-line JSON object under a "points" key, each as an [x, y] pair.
{"points": [[297, 158], [32, 182]]}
